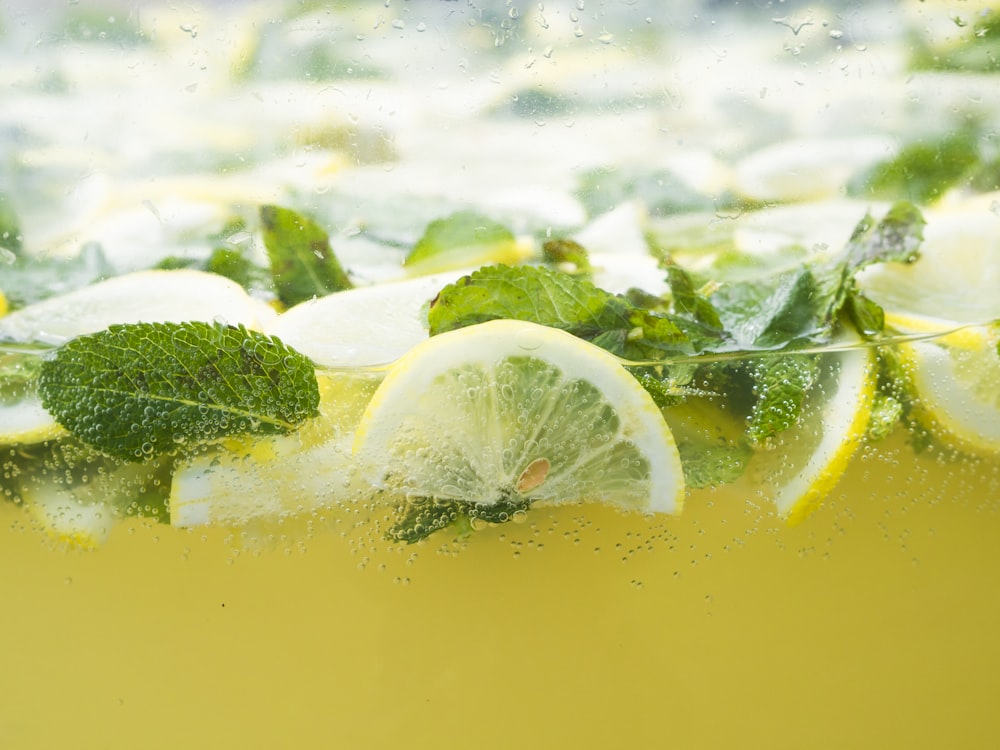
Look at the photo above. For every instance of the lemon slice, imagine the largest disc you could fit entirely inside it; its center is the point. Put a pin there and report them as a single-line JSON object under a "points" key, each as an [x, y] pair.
{"points": [[144, 296], [361, 327], [67, 520], [512, 409], [797, 469], [956, 380], [272, 478], [956, 277]]}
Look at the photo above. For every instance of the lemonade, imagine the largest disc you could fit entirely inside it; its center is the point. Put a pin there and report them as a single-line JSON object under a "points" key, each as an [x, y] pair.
{"points": [[552, 375]]}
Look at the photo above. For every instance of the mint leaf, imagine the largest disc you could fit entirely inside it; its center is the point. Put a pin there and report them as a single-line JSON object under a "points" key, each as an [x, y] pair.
{"points": [[780, 385], [465, 238], [138, 390], [922, 171], [302, 262], [557, 300], [566, 251], [419, 517], [801, 305], [710, 463]]}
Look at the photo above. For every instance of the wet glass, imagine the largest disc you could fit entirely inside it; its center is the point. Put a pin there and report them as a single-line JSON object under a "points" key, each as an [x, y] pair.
{"points": [[735, 140]]}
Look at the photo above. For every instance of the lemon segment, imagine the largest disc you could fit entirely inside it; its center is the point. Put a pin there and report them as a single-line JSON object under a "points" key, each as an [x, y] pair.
{"points": [[67, 520], [508, 408], [361, 327], [955, 381], [798, 468], [143, 296], [253, 478]]}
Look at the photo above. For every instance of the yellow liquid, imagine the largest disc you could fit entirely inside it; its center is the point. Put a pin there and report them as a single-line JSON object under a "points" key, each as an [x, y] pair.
{"points": [[872, 624]]}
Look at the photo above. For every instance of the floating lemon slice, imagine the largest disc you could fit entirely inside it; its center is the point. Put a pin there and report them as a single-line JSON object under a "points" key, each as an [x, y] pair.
{"points": [[361, 327], [144, 296], [253, 478], [956, 277], [956, 383], [797, 469], [950, 290], [509, 409]]}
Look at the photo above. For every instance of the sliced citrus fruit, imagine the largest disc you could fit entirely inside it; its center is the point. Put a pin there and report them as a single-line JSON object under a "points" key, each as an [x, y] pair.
{"points": [[143, 296], [956, 276], [955, 380], [361, 327], [512, 410], [797, 468], [149, 296], [279, 476]]}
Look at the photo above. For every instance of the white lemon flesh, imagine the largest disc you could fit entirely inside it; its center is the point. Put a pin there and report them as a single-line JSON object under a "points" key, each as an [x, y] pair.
{"points": [[362, 327], [144, 296], [957, 275], [508, 408], [956, 379]]}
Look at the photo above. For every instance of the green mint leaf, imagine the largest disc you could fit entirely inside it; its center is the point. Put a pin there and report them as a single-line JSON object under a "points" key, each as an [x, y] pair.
{"points": [[138, 390], [302, 262], [566, 251], [462, 239], [771, 312], [557, 300], [886, 412], [694, 312], [866, 316], [896, 237], [10, 229], [803, 304], [780, 384], [709, 464], [921, 171], [418, 518]]}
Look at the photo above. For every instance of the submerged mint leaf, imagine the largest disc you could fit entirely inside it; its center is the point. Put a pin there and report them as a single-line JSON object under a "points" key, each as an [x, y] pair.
{"points": [[780, 384], [464, 238], [711, 463], [557, 300], [418, 518], [142, 389], [302, 262]]}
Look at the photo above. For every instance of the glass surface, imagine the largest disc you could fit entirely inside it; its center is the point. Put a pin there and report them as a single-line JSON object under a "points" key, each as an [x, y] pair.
{"points": [[694, 131]]}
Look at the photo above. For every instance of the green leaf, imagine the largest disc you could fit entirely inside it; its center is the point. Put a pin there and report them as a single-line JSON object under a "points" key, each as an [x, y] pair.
{"points": [[896, 237], [780, 384], [557, 300], [419, 517], [141, 389], [711, 463], [302, 262], [564, 250], [803, 304], [921, 171], [462, 239]]}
